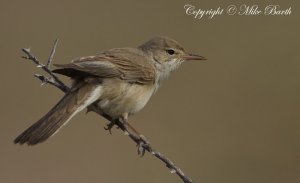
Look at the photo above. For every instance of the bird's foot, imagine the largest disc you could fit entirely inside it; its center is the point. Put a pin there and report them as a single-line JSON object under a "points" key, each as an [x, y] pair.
{"points": [[109, 126], [143, 145]]}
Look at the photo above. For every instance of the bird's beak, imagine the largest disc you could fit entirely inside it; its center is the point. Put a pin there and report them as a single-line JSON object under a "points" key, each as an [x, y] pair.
{"points": [[191, 56]]}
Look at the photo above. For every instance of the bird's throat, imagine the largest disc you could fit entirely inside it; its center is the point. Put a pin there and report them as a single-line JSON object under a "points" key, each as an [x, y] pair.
{"points": [[163, 70]]}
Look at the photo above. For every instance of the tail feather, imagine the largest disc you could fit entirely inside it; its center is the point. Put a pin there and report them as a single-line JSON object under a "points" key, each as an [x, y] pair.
{"points": [[72, 103]]}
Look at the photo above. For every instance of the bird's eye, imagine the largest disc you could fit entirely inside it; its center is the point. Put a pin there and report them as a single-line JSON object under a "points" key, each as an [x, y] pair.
{"points": [[170, 51]]}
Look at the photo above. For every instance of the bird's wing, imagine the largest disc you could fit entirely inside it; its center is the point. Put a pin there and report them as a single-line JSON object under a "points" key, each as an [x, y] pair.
{"points": [[124, 63]]}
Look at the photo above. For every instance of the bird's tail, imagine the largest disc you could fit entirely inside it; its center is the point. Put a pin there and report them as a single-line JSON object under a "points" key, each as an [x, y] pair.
{"points": [[72, 103]]}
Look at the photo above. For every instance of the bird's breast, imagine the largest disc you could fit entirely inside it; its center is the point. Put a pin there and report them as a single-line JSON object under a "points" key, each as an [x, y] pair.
{"points": [[121, 97]]}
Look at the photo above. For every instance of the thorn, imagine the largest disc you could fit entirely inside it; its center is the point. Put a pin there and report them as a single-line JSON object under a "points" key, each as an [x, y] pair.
{"points": [[26, 49], [39, 66], [40, 77], [172, 171], [126, 133]]}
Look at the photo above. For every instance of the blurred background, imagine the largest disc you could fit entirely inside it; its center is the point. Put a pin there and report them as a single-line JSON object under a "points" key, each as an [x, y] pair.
{"points": [[232, 119]]}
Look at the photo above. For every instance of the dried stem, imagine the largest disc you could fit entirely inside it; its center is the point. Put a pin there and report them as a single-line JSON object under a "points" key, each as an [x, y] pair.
{"points": [[52, 54], [54, 80], [140, 140]]}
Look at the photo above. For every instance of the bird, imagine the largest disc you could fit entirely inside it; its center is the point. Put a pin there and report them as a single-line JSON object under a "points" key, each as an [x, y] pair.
{"points": [[118, 81]]}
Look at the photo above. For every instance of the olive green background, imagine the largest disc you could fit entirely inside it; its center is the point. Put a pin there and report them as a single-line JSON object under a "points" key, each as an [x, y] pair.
{"points": [[232, 119]]}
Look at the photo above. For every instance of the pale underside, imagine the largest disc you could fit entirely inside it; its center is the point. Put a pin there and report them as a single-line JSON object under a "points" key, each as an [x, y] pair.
{"points": [[126, 83]]}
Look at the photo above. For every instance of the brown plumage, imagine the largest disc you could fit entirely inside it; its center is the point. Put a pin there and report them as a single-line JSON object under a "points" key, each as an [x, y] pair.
{"points": [[123, 63], [118, 81], [73, 102]]}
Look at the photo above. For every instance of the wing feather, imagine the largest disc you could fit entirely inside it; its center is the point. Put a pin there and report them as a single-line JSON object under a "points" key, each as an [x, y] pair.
{"points": [[125, 63]]}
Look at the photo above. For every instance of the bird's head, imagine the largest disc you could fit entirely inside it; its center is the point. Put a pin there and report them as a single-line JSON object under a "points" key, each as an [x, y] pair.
{"points": [[167, 53]]}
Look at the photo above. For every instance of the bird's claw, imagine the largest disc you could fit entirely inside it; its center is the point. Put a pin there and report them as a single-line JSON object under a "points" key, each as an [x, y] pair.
{"points": [[142, 145], [109, 126]]}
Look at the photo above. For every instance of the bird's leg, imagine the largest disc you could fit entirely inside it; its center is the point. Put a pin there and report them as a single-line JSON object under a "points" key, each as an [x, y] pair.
{"points": [[142, 140], [124, 120], [94, 107]]}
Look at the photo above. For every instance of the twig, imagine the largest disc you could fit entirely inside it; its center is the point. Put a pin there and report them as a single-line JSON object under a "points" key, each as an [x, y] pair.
{"points": [[52, 54], [140, 140], [143, 143], [56, 81]]}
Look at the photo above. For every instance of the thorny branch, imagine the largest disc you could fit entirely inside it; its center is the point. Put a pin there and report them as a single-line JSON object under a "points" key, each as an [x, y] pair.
{"points": [[142, 144], [54, 80]]}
